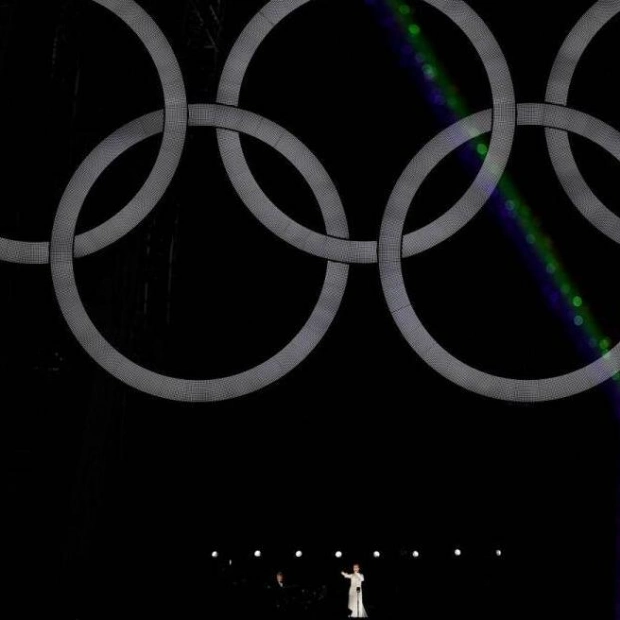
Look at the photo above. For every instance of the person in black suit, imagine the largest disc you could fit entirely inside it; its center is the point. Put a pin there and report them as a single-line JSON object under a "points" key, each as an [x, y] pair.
{"points": [[280, 599], [280, 580]]}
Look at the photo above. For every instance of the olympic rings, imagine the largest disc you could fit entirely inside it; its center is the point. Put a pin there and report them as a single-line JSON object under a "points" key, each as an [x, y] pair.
{"points": [[335, 246]]}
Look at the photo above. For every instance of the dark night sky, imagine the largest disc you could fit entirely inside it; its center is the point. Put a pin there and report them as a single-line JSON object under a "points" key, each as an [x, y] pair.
{"points": [[362, 445]]}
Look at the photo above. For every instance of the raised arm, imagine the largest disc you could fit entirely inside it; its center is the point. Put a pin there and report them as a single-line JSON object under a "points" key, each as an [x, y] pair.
{"points": [[346, 575]]}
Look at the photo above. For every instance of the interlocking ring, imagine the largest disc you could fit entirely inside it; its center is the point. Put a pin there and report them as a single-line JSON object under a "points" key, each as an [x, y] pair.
{"points": [[335, 246], [118, 365], [390, 265]]}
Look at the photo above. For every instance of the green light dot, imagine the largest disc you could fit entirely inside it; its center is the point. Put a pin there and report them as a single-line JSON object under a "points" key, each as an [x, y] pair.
{"points": [[551, 268], [531, 239], [605, 343], [414, 29], [577, 301], [482, 149], [404, 9], [429, 71], [578, 320]]}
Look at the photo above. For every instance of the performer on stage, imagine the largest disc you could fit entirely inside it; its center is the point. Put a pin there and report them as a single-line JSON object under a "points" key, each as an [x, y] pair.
{"points": [[280, 580], [356, 604], [280, 594]]}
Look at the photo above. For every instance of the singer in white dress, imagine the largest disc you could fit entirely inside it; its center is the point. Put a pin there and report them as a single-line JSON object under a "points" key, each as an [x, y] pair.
{"points": [[356, 602]]}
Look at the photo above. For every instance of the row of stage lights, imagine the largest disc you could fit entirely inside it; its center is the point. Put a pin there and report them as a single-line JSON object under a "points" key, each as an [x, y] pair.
{"points": [[338, 554]]}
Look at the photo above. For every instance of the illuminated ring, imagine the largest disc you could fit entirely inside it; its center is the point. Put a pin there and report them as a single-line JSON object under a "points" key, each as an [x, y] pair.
{"points": [[558, 143], [390, 263], [61, 259], [344, 250], [159, 179]]}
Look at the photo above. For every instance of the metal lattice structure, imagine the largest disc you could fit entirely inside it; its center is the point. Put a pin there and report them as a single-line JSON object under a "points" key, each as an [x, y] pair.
{"points": [[203, 27]]}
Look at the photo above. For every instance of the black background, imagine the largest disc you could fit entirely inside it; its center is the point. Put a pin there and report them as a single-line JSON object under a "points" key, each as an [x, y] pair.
{"points": [[117, 499]]}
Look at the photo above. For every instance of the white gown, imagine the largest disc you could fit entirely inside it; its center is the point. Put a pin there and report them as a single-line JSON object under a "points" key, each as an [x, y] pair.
{"points": [[356, 581]]}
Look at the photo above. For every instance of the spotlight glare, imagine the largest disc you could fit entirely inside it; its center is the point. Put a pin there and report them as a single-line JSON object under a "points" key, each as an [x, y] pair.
{"points": [[416, 554], [338, 554], [498, 553], [376, 554], [457, 552], [298, 554], [257, 553], [214, 554]]}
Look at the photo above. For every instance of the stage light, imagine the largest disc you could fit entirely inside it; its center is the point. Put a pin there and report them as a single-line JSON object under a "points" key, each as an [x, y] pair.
{"points": [[298, 554], [214, 554], [498, 553], [457, 552], [338, 554], [257, 553], [376, 554], [416, 554]]}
